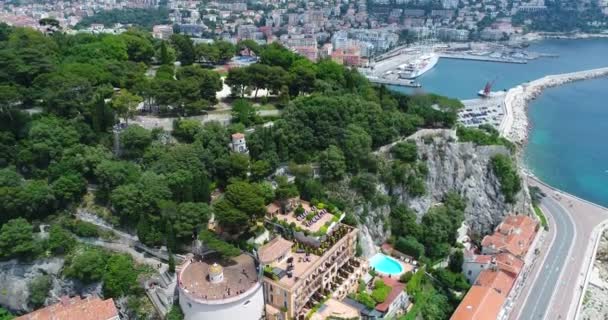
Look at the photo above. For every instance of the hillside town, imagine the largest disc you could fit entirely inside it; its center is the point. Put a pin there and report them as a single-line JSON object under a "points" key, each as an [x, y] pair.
{"points": [[348, 31], [263, 160]]}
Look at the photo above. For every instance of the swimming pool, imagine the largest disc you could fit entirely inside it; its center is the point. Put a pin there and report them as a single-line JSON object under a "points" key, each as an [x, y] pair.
{"points": [[385, 264]]}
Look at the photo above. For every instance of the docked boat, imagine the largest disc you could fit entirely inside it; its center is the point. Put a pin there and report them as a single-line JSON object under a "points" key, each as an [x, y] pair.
{"points": [[425, 63]]}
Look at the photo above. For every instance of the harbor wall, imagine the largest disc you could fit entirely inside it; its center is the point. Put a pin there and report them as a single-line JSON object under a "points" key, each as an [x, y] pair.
{"points": [[515, 124]]}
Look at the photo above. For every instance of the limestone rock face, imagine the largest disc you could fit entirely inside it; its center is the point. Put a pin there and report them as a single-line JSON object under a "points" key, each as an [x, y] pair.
{"points": [[15, 277], [452, 166]]}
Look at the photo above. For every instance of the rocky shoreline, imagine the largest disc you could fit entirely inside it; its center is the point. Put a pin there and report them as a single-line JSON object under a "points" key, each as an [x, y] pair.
{"points": [[516, 125]]}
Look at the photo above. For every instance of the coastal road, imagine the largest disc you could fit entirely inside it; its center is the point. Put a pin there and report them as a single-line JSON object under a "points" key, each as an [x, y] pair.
{"points": [[545, 284], [556, 286]]}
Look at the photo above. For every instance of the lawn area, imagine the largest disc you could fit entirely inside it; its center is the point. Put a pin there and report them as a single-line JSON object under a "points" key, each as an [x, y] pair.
{"points": [[266, 107], [541, 216]]}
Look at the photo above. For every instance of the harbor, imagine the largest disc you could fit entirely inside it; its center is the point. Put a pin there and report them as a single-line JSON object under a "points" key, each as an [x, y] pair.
{"points": [[409, 63]]}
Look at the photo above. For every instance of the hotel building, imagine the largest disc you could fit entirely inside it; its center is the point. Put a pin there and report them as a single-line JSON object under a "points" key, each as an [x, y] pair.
{"points": [[307, 269]]}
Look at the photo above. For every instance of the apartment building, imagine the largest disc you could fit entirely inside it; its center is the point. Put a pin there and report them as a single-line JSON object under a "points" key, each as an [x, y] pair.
{"points": [[300, 272]]}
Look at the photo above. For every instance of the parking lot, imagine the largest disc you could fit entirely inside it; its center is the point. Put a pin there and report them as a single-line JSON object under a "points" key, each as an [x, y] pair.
{"points": [[480, 111]]}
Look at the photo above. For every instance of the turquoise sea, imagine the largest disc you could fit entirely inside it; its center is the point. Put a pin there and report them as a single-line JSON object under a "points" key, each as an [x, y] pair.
{"points": [[568, 145]]}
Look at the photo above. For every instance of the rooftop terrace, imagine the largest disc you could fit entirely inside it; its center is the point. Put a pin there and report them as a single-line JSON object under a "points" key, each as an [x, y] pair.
{"points": [[239, 275], [308, 218]]}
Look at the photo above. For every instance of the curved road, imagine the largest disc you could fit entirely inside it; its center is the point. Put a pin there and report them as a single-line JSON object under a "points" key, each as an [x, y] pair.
{"points": [[555, 287], [545, 285]]}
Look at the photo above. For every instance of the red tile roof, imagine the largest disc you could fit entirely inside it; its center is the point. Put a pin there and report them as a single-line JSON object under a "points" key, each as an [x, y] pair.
{"points": [[480, 303], [498, 280], [483, 258], [515, 235], [274, 249], [509, 263], [90, 308]]}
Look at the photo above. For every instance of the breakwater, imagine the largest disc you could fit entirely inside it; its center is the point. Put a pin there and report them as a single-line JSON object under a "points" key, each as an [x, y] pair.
{"points": [[515, 124]]}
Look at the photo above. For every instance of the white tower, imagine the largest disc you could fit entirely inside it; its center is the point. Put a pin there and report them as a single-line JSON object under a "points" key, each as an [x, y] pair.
{"points": [[216, 273], [238, 143]]}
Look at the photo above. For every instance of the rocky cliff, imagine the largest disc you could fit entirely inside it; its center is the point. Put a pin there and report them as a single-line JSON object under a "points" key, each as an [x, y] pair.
{"points": [[452, 166], [15, 277]]}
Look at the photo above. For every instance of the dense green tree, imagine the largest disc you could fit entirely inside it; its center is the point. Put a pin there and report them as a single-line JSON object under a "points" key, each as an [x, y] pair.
{"points": [[218, 52], [16, 239], [332, 163], [303, 72], [239, 80], [260, 169], [166, 56], [189, 217], [60, 240], [437, 307], [248, 44], [139, 45], [357, 146], [125, 104], [5, 315], [506, 171], [242, 203], [9, 177], [39, 289], [410, 246], [207, 81], [403, 222], [110, 174], [405, 151], [69, 188], [277, 55], [119, 278], [10, 98], [134, 140], [456, 261], [87, 265], [185, 49], [243, 112], [186, 129]]}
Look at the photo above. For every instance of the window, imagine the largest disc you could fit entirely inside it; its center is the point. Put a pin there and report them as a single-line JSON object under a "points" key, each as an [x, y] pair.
{"points": [[271, 299], [470, 272], [189, 305], [285, 304]]}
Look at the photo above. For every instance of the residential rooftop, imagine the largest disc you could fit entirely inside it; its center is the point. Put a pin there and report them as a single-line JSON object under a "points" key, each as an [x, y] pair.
{"points": [[90, 308], [514, 235], [498, 280], [480, 303]]}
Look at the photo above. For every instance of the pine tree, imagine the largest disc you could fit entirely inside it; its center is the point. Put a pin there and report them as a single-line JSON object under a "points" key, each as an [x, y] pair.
{"points": [[164, 54], [171, 263]]}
